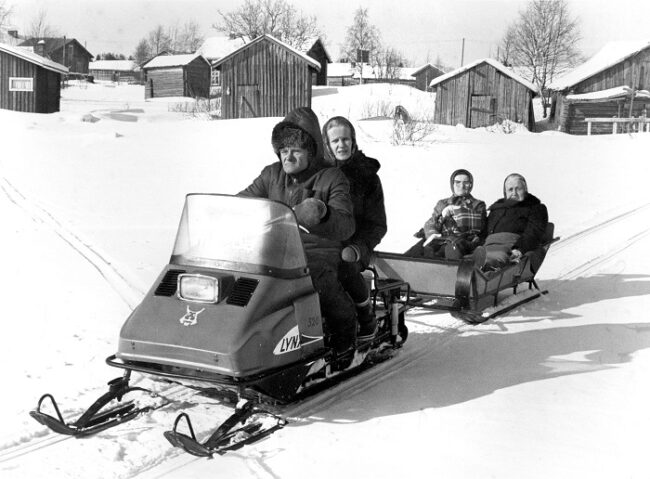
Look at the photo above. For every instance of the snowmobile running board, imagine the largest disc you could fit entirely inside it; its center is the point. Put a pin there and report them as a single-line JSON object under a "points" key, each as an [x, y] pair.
{"points": [[226, 437], [94, 419]]}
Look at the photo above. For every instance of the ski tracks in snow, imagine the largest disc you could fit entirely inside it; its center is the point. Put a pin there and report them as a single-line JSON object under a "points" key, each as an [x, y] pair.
{"points": [[126, 288]]}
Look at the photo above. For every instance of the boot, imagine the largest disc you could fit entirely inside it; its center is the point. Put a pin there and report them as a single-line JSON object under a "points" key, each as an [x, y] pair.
{"points": [[367, 323]]}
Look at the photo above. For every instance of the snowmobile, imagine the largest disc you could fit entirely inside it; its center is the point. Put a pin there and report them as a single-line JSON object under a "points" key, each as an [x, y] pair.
{"points": [[235, 312], [458, 286]]}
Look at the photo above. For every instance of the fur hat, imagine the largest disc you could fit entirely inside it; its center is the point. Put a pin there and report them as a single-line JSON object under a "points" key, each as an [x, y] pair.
{"points": [[461, 172], [287, 134], [519, 177]]}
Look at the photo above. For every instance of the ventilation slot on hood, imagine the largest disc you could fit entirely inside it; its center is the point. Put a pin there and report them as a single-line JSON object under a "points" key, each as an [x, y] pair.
{"points": [[167, 286], [242, 291]]}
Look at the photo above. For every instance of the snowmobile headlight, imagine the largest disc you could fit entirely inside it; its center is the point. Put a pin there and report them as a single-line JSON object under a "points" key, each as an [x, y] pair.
{"points": [[198, 287]]}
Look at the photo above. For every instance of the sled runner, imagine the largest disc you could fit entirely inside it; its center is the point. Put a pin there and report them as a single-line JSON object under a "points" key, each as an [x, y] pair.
{"points": [[456, 285], [235, 312]]}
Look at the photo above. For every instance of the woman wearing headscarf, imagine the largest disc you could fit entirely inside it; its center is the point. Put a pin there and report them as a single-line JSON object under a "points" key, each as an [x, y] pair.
{"points": [[367, 196], [516, 224], [457, 224]]}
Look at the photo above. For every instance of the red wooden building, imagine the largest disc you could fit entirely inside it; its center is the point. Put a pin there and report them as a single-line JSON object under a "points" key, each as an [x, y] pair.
{"points": [[65, 51], [483, 93], [29, 82], [612, 83], [177, 75], [265, 77]]}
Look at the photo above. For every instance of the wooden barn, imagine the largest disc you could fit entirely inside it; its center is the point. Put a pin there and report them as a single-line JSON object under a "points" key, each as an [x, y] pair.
{"points": [[115, 71], [265, 77], [316, 50], [177, 75], [29, 82], [483, 93], [341, 74], [424, 75], [66, 51], [614, 84]]}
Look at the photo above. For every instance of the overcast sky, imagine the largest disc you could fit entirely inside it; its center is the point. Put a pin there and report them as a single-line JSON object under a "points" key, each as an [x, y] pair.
{"points": [[422, 30]]}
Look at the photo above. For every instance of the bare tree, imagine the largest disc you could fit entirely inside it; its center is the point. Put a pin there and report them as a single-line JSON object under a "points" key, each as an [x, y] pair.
{"points": [[190, 37], [142, 52], [39, 26], [543, 41], [361, 35], [389, 63], [277, 18], [159, 40], [5, 17]]}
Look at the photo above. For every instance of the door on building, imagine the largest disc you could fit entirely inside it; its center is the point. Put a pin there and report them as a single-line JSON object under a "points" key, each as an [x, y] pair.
{"points": [[249, 101], [482, 111]]}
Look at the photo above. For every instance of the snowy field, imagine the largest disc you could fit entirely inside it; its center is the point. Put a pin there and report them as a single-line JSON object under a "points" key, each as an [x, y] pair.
{"points": [[558, 388]]}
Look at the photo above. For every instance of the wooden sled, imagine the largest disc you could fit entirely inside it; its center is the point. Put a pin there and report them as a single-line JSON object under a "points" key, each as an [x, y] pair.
{"points": [[457, 286]]}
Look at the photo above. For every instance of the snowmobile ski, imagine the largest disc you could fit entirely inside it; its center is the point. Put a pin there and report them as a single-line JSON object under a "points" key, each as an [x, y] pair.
{"points": [[96, 418], [255, 423]]}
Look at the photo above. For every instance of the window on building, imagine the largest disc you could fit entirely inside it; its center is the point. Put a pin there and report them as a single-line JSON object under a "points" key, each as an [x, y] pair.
{"points": [[21, 84], [216, 77]]}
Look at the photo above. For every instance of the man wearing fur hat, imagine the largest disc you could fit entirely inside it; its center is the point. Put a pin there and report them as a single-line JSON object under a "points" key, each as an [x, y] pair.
{"points": [[320, 197]]}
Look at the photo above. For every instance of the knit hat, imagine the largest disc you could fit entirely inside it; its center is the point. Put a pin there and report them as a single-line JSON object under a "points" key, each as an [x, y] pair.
{"points": [[331, 123], [519, 177], [461, 172]]}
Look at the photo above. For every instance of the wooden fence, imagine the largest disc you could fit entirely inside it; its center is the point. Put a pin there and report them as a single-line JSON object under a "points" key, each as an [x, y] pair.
{"points": [[629, 125]]}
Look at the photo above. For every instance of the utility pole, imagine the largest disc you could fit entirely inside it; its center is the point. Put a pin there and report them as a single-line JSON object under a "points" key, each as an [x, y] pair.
{"points": [[462, 54]]}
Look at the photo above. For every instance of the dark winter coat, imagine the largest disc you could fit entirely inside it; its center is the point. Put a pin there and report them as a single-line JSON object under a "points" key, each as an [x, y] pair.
{"points": [[318, 181], [368, 203], [527, 218]]}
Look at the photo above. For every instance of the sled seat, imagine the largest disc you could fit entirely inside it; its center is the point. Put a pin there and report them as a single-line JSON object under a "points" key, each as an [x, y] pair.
{"points": [[456, 284]]}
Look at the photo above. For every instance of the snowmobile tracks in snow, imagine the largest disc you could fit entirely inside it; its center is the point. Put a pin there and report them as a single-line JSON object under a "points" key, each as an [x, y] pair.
{"points": [[44, 439], [124, 287], [298, 413]]}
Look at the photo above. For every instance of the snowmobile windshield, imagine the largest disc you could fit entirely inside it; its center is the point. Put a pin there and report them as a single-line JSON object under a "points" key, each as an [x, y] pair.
{"points": [[239, 234]]}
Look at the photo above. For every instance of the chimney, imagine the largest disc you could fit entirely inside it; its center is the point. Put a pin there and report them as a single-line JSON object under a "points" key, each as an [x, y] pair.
{"points": [[39, 48]]}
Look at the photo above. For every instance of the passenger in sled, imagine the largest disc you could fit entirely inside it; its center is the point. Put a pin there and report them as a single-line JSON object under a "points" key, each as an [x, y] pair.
{"points": [[457, 224], [320, 198], [367, 195], [516, 225]]}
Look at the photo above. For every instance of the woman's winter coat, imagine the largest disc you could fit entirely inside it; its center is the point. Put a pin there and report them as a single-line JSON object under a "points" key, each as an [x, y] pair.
{"points": [[527, 218], [368, 203], [468, 219]]}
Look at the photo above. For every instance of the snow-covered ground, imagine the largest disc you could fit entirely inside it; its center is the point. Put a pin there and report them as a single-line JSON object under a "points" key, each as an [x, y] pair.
{"points": [[557, 388]]}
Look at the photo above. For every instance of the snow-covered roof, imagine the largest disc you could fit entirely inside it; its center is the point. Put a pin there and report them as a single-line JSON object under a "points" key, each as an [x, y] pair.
{"points": [[425, 66], [610, 93], [30, 56], [309, 43], [219, 46], [608, 56], [162, 61], [490, 61], [118, 65], [339, 69], [302, 55]]}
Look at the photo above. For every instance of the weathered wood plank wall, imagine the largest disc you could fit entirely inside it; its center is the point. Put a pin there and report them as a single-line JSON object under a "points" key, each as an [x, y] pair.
{"points": [[283, 81]]}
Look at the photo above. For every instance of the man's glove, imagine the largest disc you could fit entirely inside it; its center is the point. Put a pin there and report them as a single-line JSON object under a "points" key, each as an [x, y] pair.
{"points": [[310, 211], [351, 254]]}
